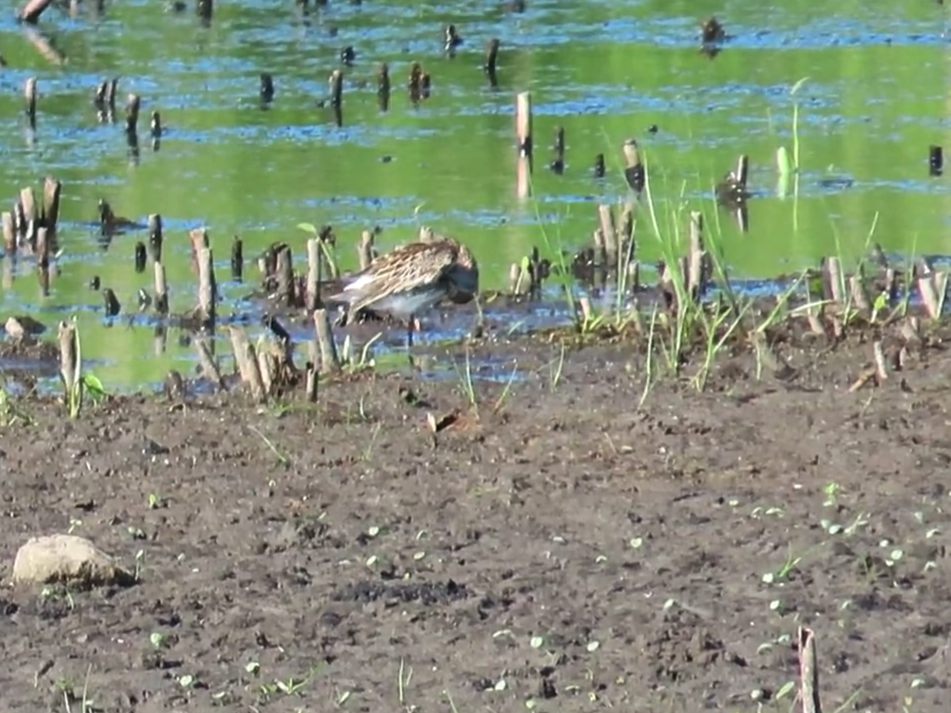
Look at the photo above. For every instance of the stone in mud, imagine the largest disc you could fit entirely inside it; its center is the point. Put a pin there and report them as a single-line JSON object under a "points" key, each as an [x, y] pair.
{"points": [[67, 559]]}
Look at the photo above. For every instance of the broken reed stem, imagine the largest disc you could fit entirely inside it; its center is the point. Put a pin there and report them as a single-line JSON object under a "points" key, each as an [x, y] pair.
{"points": [[858, 292], [132, 114], [523, 130], [161, 289], [523, 123], [312, 380], [237, 259], [206, 285], [383, 87], [808, 672], [155, 236], [336, 87], [881, 368], [42, 248], [584, 305], [325, 338], [209, 364], [633, 166], [313, 275], [68, 354], [742, 171], [834, 280], [366, 250], [28, 220], [9, 234], [32, 10], [928, 294], [491, 61], [608, 235], [267, 365], [247, 361], [285, 275], [29, 94], [52, 191], [699, 265]]}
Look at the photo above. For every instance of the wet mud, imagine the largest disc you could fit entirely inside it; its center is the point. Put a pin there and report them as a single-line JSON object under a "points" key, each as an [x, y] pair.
{"points": [[555, 544]]}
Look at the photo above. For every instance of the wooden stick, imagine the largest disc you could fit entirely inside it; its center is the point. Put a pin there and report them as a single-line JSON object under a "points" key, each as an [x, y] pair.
{"points": [[742, 172], [808, 672], [43, 46], [110, 302], [859, 294], [523, 122], [626, 232], [237, 259], [523, 128], [52, 191], [29, 94], [206, 285], [285, 275], [267, 88], [33, 9], [383, 87], [313, 275], [68, 353], [366, 250], [941, 289], [9, 234], [311, 382], [834, 280], [141, 256], [928, 295], [325, 338], [608, 235], [155, 236], [42, 248], [28, 226], [161, 288], [246, 359], [698, 270], [881, 368], [267, 365], [132, 114], [634, 167], [491, 61], [209, 364], [336, 96]]}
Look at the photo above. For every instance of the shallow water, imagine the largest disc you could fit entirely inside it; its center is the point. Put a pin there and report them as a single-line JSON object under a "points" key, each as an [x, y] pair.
{"points": [[875, 98]]}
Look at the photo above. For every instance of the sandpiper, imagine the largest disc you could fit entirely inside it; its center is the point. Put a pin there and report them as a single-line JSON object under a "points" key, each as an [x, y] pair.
{"points": [[411, 279]]}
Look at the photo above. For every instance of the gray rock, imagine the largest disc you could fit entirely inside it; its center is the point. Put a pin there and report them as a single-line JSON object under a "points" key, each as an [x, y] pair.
{"points": [[67, 559]]}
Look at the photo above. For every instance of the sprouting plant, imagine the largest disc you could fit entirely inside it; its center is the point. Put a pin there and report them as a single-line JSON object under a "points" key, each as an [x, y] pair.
{"points": [[465, 380], [282, 459], [352, 362], [325, 247], [555, 370], [10, 415], [76, 383], [500, 402]]}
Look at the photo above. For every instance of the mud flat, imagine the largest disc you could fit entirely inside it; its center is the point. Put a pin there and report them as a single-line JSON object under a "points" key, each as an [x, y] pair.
{"points": [[554, 545]]}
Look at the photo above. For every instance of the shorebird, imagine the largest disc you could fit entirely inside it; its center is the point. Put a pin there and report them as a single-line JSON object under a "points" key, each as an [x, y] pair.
{"points": [[411, 279]]}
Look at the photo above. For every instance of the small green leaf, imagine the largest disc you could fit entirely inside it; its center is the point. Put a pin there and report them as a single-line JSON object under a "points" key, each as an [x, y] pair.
{"points": [[307, 227], [787, 688]]}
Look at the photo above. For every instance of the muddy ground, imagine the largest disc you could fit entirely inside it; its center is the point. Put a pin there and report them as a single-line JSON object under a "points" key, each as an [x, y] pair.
{"points": [[557, 549]]}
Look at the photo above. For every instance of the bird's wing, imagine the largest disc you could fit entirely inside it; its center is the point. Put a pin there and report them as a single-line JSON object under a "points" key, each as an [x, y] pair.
{"points": [[403, 269]]}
